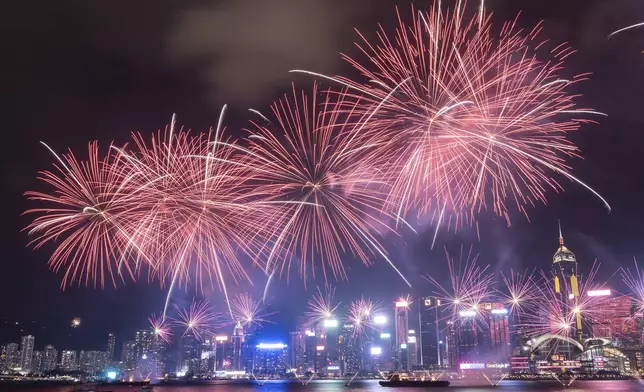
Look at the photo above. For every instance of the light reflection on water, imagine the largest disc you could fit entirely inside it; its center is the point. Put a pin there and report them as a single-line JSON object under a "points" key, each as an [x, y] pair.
{"points": [[372, 385]]}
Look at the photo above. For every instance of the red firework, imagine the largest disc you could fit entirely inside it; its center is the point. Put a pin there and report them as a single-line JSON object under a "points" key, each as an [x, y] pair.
{"points": [[360, 315], [247, 311], [319, 186], [464, 119], [161, 327], [83, 219], [198, 320], [321, 306]]}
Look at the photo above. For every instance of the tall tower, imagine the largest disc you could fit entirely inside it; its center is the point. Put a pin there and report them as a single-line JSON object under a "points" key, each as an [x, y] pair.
{"points": [[26, 352], [111, 342], [238, 340], [564, 270], [401, 316]]}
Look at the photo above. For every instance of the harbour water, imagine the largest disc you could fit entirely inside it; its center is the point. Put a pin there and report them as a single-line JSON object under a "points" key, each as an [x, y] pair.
{"points": [[366, 386]]}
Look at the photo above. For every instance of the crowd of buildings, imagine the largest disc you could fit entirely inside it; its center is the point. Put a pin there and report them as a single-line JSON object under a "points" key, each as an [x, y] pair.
{"points": [[405, 337]]}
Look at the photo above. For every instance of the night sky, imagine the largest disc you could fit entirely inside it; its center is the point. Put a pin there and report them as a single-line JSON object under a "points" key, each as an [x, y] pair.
{"points": [[75, 71]]}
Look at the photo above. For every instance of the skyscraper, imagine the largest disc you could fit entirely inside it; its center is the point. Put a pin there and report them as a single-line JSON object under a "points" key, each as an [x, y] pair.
{"points": [[26, 352], [68, 360], [50, 358], [238, 342], [13, 356], [3, 358], [565, 276], [295, 349], [128, 356], [111, 343], [91, 362], [431, 325], [401, 320], [270, 358], [351, 349], [37, 362]]}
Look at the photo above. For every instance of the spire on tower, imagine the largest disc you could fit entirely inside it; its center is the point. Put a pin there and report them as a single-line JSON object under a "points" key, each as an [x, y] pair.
{"points": [[561, 241]]}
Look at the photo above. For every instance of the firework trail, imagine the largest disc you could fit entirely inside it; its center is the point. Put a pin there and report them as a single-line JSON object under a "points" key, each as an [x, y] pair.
{"points": [[631, 27], [360, 315], [248, 311], [76, 322], [477, 121], [83, 218], [161, 327], [198, 320], [469, 285], [322, 183], [320, 307]]}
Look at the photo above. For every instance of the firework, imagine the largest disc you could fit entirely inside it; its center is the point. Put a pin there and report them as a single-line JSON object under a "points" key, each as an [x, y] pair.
{"points": [[319, 184], [360, 315], [634, 280], [321, 306], [248, 311], [522, 291], [469, 285], [198, 320], [83, 218], [631, 27], [161, 327], [76, 322], [464, 119]]}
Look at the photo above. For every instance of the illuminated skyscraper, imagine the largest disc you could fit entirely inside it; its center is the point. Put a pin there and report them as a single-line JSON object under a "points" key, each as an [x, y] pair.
{"points": [[3, 358], [270, 358], [50, 358], [351, 349], [37, 362], [296, 350], [68, 360], [564, 270], [401, 320], [26, 352], [111, 342], [13, 356], [91, 362], [432, 326], [238, 343], [128, 356]]}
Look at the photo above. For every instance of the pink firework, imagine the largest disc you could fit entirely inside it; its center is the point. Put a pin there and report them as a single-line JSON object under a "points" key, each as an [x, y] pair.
{"points": [[634, 280], [161, 327], [248, 311], [318, 184], [360, 315], [467, 120], [469, 285], [198, 320], [83, 219], [186, 207], [522, 291], [321, 306]]}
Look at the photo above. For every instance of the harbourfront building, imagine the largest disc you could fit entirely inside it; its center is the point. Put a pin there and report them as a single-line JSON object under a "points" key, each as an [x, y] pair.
{"points": [[270, 359], [26, 353]]}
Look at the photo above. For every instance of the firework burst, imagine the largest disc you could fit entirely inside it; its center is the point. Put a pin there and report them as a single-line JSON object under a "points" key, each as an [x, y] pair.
{"points": [[83, 218], [634, 280], [521, 291], [321, 306], [466, 120], [198, 320], [161, 327], [469, 285], [248, 311], [360, 315], [76, 322], [325, 198]]}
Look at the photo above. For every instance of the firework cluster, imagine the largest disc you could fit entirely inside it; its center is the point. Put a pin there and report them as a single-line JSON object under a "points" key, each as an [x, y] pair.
{"points": [[448, 120]]}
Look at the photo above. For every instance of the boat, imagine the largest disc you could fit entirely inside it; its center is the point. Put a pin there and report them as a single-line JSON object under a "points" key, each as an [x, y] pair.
{"points": [[396, 381]]}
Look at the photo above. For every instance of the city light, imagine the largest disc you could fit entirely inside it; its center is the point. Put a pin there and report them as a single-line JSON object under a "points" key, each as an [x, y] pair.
{"points": [[411, 339], [333, 367], [310, 333], [500, 311], [403, 346], [402, 304], [385, 335], [221, 338], [412, 332], [469, 366], [467, 313], [376, 350], [319, 348], [111, 375], [330, 323], [380, 319], [271, 346], [599, 293]]}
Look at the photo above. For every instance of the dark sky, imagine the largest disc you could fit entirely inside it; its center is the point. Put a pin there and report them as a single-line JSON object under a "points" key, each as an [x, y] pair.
{"points": [[75, 71]]}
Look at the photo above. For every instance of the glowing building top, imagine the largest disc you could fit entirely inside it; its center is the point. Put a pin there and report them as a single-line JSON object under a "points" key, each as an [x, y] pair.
{"points": [[563, 254]]}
